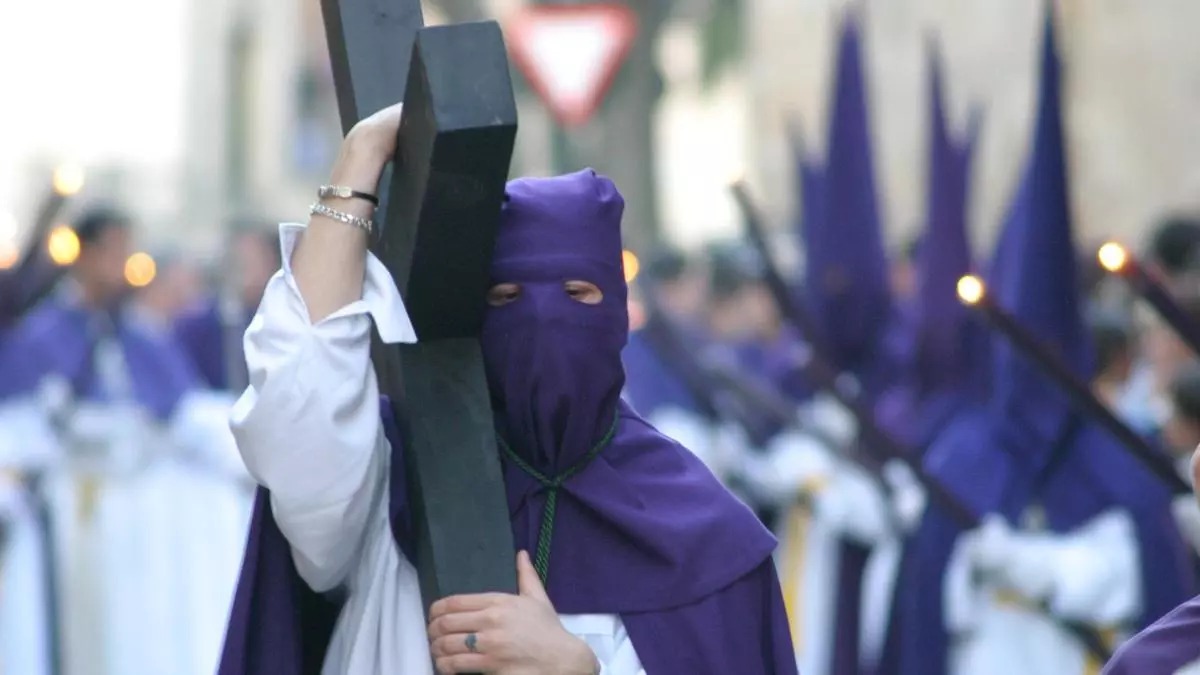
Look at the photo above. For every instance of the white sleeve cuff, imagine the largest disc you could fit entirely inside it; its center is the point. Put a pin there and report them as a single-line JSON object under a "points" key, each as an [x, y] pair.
{"points": [[381, 299], [1097, 571], [963, 600]]}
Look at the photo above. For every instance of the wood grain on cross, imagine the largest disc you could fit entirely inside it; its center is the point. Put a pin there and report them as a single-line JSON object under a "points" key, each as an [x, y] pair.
{"points": [[439, 211]]}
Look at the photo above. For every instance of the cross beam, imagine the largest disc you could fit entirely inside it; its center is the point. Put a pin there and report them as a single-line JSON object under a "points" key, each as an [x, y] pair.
{"points": [[440, 209]]}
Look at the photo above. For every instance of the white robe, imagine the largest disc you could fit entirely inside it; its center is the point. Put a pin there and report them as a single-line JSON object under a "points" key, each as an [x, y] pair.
{"points": [[26, 446], [1093, 574], [845, 503], [149, 526], [309, 430], [24, 638]]}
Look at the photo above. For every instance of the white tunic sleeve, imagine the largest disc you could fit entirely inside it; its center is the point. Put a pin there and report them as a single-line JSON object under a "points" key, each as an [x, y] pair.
{"points": [[1091, 574], [200, 428], [605, 635], [1097, 571], [690, 430], [27, 439], [308, 425]]}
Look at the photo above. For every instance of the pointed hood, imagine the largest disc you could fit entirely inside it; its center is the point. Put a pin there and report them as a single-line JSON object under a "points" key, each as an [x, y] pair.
{"points": [[810, 185], [944, 350], [1036, 276], [944, 343], [846, 275]]}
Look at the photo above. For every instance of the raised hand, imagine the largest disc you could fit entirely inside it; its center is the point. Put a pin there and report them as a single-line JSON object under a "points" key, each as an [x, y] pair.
{"points": [[506, 634]]}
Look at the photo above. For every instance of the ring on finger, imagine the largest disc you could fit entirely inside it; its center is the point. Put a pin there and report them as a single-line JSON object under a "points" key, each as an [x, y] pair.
{"points": [[472, 643]]}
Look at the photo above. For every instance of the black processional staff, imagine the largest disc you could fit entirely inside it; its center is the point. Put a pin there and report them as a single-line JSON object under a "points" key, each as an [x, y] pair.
{"points": [[973, 293], [1117, 260], [880, 442]]}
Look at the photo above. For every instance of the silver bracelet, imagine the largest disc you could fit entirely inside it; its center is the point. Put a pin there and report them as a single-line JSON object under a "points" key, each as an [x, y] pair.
{"points": [[319, 209], [343, 192]]}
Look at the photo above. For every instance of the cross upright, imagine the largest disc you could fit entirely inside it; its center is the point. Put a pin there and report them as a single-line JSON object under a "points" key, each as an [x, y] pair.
{"points": [[439, 211]]}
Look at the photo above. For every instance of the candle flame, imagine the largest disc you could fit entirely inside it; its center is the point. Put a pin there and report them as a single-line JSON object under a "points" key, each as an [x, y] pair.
{"points": [[140, 269], [971, 289], [68, 179], [62, 245], [1113, 256], [9, 254], [631, 264]]}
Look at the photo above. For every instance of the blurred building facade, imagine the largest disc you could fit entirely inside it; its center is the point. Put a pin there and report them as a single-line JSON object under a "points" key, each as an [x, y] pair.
{"points": [[194, 112]]}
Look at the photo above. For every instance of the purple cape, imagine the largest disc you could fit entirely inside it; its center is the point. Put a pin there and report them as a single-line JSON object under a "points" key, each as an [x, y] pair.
{"points": [[1027, 445], [59, 338], [647, 516], [1165, 647]]}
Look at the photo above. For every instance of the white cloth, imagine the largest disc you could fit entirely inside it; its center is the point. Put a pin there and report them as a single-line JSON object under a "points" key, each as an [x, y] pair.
{"points": [[24, 620], [793, 463], [309, 430], [693, 432], [149, 553], [846, 504], [1091, 575], [149, 528], [1186, 510]]}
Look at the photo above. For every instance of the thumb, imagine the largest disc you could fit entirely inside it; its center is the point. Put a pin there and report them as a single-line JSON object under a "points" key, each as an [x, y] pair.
{"points": [[529, 584]]}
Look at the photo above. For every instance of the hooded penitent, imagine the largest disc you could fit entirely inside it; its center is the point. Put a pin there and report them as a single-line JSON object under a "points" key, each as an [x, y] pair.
{"points": [[846, 286], [944, 347], [1027, 448], [638, 526], [1169, 645], [946, 352]]}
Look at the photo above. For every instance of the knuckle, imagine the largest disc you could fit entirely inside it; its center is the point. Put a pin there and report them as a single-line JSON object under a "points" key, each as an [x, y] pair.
{"points": [[494, 616]]}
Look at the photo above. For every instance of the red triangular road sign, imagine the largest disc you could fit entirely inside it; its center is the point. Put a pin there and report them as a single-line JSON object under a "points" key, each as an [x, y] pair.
{"points": [[571, 53]]}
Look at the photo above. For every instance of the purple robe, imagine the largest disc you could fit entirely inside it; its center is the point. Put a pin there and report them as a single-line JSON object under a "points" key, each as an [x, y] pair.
{"points": [[642, 530], [1027, 446], [202, 334], [1164, 647], [651, 383], [846, 286], [59, 338]]}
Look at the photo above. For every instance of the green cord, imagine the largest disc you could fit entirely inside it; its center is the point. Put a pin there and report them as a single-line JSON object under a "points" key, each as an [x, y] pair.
{"points": [[541, 559]]}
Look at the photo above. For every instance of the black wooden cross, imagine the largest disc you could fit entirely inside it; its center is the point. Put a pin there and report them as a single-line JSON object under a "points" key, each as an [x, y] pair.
{"points": [[439, 214]]}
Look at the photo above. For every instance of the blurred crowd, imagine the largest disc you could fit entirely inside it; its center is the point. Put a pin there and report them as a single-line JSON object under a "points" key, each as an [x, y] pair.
{"points": [[125, 502]]}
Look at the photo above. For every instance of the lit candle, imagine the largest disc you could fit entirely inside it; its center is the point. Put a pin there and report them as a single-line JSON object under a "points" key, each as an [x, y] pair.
{"points": [[66, 182], [1116, 259], [973, 293]]}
